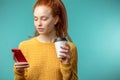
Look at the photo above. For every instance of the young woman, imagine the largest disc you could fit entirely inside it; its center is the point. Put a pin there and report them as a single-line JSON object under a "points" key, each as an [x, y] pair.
{"points": [[50, 21]]}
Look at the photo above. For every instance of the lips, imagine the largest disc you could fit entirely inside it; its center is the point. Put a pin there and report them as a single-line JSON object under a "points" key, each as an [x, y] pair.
{"points": [[40, 29]]}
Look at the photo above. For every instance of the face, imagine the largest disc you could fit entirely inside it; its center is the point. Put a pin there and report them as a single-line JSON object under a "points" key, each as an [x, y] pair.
{"points": [[43, 20]]}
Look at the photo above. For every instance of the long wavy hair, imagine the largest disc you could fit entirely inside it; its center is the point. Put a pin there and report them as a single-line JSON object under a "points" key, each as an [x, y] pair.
{"points": [[58, 10]]}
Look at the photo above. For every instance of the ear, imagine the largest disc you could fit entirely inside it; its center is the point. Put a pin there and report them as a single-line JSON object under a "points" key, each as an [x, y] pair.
{"points": [[56, 19]]}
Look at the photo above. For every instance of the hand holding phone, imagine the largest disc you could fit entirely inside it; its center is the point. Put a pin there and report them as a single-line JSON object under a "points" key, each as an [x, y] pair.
{"points": [[18, 55], [20, 61]]}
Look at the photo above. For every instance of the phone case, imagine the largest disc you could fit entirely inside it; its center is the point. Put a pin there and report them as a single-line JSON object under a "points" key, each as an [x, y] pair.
{"points": [[18, 55]]}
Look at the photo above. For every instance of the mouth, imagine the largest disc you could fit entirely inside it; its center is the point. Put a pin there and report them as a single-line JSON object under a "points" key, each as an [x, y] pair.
{"points": [[40, 29]]}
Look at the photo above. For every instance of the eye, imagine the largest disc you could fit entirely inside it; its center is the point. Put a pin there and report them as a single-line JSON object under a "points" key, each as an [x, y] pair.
{"points": [[44, 18], [35, 18]]}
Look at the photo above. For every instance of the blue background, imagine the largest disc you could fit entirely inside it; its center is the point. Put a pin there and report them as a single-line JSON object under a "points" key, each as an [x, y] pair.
{"points": [[94, 26]]}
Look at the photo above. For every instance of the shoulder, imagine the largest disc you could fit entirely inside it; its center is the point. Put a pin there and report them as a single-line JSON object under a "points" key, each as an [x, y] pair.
{"points": [[72, 45], [73, 50], [27, 42]]}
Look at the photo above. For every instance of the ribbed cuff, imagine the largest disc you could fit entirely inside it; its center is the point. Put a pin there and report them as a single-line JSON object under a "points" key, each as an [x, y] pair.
{"points": [[19, 72], [65, 66]]}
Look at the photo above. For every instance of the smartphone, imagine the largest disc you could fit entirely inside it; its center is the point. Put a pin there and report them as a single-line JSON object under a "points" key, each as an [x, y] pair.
{"points": [[18, 55]]}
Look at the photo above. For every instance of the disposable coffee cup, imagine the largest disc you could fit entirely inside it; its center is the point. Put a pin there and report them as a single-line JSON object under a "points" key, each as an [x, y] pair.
{"points": [[58, 43]]}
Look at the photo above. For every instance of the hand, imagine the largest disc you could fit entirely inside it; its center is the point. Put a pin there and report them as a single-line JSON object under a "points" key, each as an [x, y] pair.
{"points": [[66, 55], [21, 65]]}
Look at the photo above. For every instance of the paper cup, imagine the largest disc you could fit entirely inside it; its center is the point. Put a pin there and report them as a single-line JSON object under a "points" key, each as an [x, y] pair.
{"points": [[58, 43]]}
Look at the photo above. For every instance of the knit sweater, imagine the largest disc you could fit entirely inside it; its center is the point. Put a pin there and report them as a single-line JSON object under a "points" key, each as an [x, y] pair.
{"points": [[44, 64]]}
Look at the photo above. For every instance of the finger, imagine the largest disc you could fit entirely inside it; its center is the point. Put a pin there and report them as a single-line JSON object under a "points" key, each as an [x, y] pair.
{"points": [[22, 67], [21, 63], [14, 58], [67, 47], [65, 51], [63, 55]]}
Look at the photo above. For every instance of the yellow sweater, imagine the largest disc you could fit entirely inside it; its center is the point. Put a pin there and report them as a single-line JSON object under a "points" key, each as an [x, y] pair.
{"points": [[44, 65]]}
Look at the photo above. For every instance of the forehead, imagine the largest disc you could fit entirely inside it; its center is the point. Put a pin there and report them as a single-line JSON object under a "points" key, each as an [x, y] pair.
{"points": [[42, 10]]}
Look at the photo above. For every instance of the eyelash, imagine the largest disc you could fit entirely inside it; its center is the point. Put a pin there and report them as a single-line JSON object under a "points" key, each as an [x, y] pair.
{"points": [[44, 19], [35, 19]]}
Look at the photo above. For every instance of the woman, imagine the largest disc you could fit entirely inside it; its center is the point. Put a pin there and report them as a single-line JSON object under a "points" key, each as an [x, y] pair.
{"points": [[50, 21]]}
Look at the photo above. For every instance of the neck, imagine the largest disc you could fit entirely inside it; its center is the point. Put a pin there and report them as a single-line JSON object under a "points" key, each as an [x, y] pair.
{"points": [[47, 38]]}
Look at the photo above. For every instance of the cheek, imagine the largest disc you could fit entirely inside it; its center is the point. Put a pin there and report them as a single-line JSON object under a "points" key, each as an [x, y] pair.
{"points": [[35, 23], [51, 24], [51, 27]]}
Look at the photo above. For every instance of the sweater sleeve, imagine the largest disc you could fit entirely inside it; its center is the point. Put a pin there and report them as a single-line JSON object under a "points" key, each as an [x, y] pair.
{"points": [[19, 74], [69, 71]]}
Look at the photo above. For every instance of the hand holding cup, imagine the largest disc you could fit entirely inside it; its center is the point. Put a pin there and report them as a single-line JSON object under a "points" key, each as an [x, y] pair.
{"points": [[62, 50]]}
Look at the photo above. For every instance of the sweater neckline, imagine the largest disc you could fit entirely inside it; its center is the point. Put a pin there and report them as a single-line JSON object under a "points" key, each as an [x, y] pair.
{"points": [[46, 43]]}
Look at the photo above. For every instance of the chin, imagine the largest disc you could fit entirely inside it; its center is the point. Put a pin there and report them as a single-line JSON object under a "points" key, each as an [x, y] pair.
{"points": [[42, 33]]}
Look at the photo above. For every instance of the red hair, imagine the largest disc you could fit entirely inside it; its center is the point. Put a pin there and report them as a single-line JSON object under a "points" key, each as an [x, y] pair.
{"points": [[58, 10]]}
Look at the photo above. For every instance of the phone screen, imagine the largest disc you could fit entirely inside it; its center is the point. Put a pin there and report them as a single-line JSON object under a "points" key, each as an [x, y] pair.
{"points": [[18, 55]]}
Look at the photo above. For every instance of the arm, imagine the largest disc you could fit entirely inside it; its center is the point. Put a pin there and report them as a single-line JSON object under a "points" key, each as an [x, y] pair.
{"points": [[19, 73], [69, 71]]}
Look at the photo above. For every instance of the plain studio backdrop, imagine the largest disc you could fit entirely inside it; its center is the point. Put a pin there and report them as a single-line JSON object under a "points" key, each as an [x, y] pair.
{"points": [[94, 26]]}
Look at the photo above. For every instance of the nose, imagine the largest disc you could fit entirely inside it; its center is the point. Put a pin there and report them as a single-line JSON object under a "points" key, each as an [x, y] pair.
{"points": [[39, 23]]}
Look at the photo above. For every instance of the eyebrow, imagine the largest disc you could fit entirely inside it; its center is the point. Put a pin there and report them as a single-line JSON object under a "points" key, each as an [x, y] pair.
{"points": [[41, 17], [35, 17]]}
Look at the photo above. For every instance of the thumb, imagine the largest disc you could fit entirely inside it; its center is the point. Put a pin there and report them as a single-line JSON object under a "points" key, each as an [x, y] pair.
{"points": [[15, 59]]}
